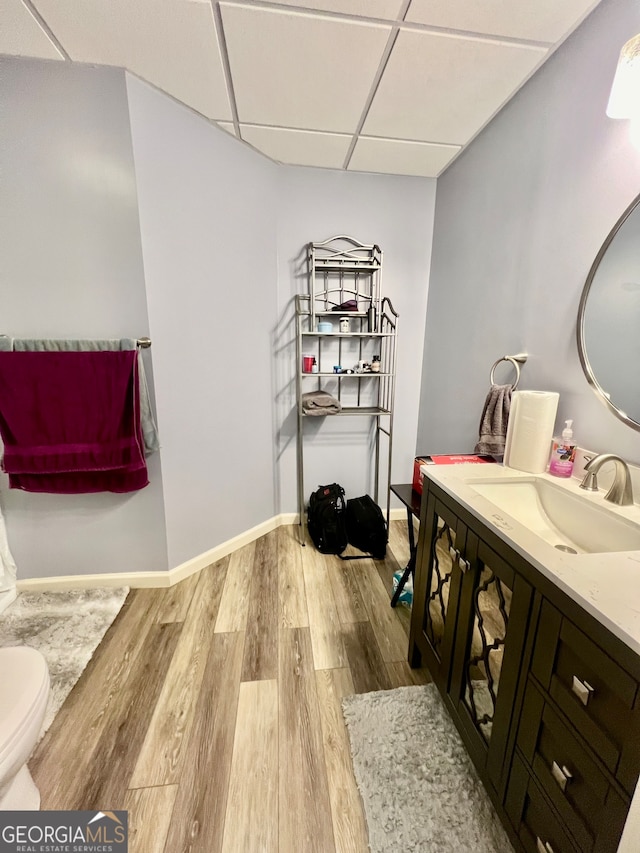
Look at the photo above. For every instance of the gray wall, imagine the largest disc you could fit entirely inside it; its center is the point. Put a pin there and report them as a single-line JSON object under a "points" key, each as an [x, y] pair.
{"points": [[520, 216], [71, 266], [396, 213], [127, 214], [208, 223]]}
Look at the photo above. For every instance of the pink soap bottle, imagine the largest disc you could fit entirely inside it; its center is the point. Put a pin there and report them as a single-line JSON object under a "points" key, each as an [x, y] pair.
{"points": [[563, 453]]}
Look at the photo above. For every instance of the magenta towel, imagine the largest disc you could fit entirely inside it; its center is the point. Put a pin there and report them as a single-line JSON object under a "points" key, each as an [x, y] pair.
{"points": [[70, 422]]}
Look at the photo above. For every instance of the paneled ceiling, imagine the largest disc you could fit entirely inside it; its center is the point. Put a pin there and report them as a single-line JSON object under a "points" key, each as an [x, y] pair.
{"points": [[392, 86]]}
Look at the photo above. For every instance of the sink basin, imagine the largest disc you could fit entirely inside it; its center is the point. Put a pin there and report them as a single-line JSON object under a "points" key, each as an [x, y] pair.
{"points": [[569, 522]]}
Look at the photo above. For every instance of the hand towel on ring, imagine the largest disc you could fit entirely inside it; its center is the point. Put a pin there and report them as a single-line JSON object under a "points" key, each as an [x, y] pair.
{"points": [[494, 421]]}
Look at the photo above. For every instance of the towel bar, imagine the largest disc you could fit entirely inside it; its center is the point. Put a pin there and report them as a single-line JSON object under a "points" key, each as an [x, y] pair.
{"points": [[516, 361], [143, 343]]}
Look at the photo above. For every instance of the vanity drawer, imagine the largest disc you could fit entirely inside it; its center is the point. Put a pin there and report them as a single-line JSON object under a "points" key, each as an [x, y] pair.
{"points": [[534, 820], [597, 696], [586, 802]]}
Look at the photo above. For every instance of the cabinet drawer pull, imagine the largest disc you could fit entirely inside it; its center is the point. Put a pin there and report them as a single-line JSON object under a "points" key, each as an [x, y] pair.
{"points": [[543, 846], [562, 775], [582, 689]]}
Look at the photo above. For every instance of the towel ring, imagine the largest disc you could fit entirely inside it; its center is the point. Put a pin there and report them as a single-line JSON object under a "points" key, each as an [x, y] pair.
{"points": [[513, 361]]}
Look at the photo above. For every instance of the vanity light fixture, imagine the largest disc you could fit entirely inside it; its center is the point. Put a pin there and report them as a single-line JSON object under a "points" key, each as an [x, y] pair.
{"points": [[624, 100]]}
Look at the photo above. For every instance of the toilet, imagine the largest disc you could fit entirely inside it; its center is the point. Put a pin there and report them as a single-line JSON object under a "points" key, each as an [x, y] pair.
{"points": [[24, 691]]}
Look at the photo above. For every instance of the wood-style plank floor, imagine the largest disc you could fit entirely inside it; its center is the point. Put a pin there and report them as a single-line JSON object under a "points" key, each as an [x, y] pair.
{"points": [[211, 710]]}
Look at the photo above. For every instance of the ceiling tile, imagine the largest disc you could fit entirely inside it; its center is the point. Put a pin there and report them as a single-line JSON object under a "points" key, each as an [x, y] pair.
{"points": [[396, 157], [228, 126], [172, 45], [301, 71], [540, 20], [299, 147], [439, 88], [22, 35], [387, 9]]}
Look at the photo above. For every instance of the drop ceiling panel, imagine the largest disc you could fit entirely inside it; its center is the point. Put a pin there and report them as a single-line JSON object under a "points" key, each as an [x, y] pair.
{"points": [[539, 20], [439, 88], [299, 147], [396, 157], [172, 45], [304, 71], [22, 35], [301, 71], [387, 9]]}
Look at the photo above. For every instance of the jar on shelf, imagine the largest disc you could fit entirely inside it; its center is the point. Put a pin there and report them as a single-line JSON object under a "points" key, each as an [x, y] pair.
{"points": [[345, 324], [375, 364]]}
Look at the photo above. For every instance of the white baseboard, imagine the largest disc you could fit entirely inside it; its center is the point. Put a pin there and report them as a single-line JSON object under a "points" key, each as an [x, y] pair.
{"points": [[110, 580], [398, 514], [139, 580], [179, 573], [169, 578]]}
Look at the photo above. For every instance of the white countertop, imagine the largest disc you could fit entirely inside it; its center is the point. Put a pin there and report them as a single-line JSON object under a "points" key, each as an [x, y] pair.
{"points": [[606, 585]]}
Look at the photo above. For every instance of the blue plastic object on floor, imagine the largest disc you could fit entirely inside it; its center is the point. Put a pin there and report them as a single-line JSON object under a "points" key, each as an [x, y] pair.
{"points": [[406, 596]]}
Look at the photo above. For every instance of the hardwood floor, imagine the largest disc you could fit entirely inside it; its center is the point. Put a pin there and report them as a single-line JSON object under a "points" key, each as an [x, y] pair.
{"points": [[211, 710]]}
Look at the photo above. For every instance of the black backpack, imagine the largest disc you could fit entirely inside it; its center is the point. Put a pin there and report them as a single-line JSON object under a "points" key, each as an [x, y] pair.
{"points": [[366, 526], [326, 519]]}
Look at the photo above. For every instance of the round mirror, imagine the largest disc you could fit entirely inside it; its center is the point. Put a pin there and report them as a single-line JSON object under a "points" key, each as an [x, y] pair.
{"points": [[609, 319]]}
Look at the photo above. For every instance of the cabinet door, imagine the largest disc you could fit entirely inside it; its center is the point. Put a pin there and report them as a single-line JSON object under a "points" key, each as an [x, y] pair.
{"points": [[489, 643], [436, 590]]}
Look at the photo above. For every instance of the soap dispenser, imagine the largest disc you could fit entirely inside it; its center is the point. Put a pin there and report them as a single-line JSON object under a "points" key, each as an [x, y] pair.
{"points": [[563, 453]]}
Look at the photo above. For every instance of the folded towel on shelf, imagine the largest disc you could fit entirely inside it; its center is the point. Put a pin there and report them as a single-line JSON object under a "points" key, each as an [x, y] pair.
{"points": [[149, 428], [70, 421], [349, 305], [320, 403], [494, 421]]}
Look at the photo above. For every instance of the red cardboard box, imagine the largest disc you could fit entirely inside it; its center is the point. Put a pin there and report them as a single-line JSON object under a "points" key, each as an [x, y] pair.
{"points": [[418, 476], [454, 459]]}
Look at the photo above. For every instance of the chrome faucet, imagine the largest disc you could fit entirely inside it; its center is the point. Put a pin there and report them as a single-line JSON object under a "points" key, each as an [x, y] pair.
{"points": [[620, 492]]}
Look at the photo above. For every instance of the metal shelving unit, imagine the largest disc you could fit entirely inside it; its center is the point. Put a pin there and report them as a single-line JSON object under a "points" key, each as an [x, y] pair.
{"points": [[342, 270]]}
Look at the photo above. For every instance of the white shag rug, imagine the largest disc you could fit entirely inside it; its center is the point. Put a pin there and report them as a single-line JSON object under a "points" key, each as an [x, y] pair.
{"points": [[66, 627], [420, 790]]}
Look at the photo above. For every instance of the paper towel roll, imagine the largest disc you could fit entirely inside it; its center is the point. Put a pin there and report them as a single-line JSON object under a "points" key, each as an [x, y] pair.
{"points": [[530, 430]]}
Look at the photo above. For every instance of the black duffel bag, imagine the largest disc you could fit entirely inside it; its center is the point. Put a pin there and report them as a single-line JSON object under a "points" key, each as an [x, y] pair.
{"points": [[366, 527]]}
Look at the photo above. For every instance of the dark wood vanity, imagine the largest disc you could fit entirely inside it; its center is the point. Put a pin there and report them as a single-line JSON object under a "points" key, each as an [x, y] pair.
{"points": [[544, 696]]}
